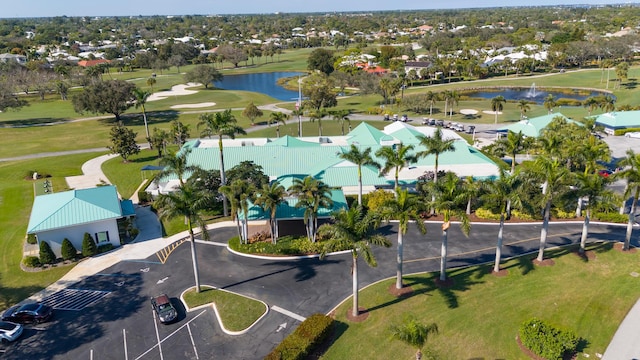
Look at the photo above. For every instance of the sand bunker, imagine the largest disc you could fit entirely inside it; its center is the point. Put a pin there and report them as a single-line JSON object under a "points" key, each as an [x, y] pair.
{"points": [[490, 112], [193, 106], [176, 90]]}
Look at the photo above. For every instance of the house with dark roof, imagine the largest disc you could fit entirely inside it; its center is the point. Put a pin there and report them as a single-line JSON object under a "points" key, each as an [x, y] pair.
{"points": [[70, 214]]}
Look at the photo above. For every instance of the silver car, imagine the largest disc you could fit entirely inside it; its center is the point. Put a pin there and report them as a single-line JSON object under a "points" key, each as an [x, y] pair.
{"points": [[9, 331]]}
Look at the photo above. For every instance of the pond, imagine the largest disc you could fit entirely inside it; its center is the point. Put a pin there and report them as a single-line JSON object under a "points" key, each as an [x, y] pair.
{"points": [[265, 83], [534, 94]]}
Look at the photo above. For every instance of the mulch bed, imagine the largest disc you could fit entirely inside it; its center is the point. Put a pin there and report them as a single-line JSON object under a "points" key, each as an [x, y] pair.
{"points": [[500, 273], [364, 314], [619, 246], [405, 291], [544, 262], [444, 284], [587, 255]]}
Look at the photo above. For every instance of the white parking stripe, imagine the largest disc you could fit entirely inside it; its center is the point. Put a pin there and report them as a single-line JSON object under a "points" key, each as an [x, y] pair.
{"points": [[288, 313], [155, 322], [192, 342], [170, 335], [126, 354]]}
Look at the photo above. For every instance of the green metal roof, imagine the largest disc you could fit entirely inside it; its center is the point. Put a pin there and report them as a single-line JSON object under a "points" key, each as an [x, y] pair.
{"points": [[365, 134], [69, 208], [290, 141], [288, 209], [619, 119], [534, 126]]}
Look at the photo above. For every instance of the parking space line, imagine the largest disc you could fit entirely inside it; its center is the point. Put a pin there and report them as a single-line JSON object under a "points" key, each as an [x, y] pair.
{"points": [[170, 335], [288, 313], [126, 354], [193, 342], [155, 322]]}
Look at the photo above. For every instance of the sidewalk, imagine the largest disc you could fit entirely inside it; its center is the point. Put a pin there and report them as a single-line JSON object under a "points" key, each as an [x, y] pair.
{"points": [[625, 344]]}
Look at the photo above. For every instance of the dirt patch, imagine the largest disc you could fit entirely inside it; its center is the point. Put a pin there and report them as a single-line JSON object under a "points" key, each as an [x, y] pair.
{"points": [[620, 247], [447, 283], [587, 255], [544, 262], [363, 315], [500, 273], [405, 291]]}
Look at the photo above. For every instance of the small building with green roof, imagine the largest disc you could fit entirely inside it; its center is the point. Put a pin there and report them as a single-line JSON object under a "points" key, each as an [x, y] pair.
{"points": [[619, 120], [70, 214], [533, 127]]}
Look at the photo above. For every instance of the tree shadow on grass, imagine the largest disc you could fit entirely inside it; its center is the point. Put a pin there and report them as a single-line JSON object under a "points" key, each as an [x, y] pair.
{"points": [[44, 121]]}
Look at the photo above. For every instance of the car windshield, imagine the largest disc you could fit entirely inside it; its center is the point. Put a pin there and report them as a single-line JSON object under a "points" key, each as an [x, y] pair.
{"points": [[30, 307], [5, 326]]}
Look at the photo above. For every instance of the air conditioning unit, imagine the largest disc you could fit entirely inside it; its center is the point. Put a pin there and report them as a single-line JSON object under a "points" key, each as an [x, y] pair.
{"points": [[324, 140]]}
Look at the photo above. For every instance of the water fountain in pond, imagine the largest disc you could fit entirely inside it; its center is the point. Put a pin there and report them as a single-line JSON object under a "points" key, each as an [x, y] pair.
{"points": [[532, 91]]}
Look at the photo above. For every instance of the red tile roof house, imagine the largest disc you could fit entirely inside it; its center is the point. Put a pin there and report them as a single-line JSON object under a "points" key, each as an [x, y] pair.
{"points": [[70, 214], [89, 63]]}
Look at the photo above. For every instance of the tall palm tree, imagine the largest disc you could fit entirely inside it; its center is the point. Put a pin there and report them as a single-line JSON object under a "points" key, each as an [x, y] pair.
{"points": [[471, 189], [221, 124], [435, 145], [454, 99], [608, 103], [431, 99], [354, 230], [593, 188], [239, 193], [269, 198], [359, 158], [630, 173], [549, 103], [318, 115], [497, 105], [449, 201], [404, 208], [523, 106], [176, 164], [189, 203], [298, 113], [512, 145], [395, 159], [501, 193], [312, 194], [414, 334], [342, 116], [278, 118], [591, 103], [141, 97], [555, 180]]}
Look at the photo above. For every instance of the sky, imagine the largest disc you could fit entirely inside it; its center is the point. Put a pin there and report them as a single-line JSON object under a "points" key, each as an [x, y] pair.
{"points": [[48, 8]]}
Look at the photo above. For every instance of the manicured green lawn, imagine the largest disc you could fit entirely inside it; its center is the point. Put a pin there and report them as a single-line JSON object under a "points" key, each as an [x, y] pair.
{"points": [[237, 312], [479, 316], [16, 199]]}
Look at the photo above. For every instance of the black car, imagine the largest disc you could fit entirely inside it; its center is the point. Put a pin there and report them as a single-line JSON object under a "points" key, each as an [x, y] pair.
{"points": [[162, 306], [28, 313]]}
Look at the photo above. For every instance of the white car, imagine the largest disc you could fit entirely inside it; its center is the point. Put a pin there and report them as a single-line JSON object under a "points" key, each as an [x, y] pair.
{"points": [[9, 331], [635, 135]]}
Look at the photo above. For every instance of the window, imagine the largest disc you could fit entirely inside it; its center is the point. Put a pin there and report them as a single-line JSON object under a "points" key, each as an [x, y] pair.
{"points": [[102, 237]]}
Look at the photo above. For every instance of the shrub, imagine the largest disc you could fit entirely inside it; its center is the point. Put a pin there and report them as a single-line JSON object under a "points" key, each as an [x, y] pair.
{"points": [[144, 197], [88, 245], [46, 254], [31, 261], [68, 251], [104, 248], [612, 217], [522, 215], [297, 346], [31, 239], [376, 199], [547, 341], [561, 214], [134, 232], [486, 214]]}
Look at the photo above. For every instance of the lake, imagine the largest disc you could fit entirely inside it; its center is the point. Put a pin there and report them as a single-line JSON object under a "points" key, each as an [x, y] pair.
{"points": [[533, 94], [265, 83]]}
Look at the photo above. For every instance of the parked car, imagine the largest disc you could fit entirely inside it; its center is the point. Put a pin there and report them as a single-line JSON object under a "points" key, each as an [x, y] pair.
{"points": [[28, 313], [404, 118], [439, 122], [605, 172], [395, 117], [457, 127], [635, 135], [164, 309], [386, 117], [9, 331], [471, 129]]}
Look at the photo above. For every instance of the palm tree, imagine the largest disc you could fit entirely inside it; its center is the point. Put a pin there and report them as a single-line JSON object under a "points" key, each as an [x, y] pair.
{"points": [[239, 193], [414, 334], [221, 124], [593, 188], [176, 164], [631, 173], [355, 156], [312, 194], [278, 118], [497, 105], [549, 103], [150, 82], [270, 197], [590, 103], [608, 103], [318, 115], [512, 145], [555, 181], [342, 116], [354, 230], [501, 193], [404, 208], [449, 201], [435, 145], [431, 99], [454, 98], [141, 97], [298, 113], [523, 106], [189, 203], [395, 159], [471, 189]]}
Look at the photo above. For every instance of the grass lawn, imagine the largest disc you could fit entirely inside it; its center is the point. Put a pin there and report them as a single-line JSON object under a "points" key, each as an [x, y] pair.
{"points": [[479, 316], [16, 199], [237, 312]]}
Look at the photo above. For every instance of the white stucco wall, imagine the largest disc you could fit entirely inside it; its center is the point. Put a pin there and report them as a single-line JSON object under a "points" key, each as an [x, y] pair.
{"points": [[75, 234]]}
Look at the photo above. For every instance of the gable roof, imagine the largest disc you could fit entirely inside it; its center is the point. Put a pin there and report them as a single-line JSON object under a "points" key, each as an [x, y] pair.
{"points": [[290, 141], [288, 210], [534, 126], [365, 134], [75, 207], [88, 63], [619, 119]]}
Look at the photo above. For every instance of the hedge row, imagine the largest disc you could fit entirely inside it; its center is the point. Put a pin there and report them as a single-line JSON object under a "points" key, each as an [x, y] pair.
{"points": [[297, 346], [547, 341]]}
